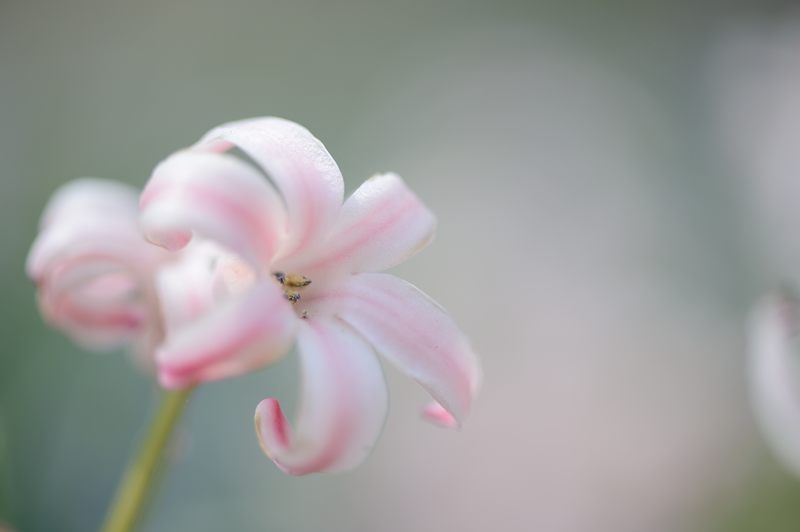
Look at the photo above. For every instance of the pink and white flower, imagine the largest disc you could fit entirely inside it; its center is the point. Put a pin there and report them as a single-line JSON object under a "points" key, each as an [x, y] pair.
{"points": [[98, 278], [775, 374], [93, 268], [296, 264]]}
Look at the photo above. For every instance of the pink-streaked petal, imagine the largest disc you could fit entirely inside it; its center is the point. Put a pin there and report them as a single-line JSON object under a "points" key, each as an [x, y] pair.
{"points": [[92, 289], [382, 224], [775, 374], [342, 408], [238, 335], [299, 165], [92, 285], [97, 310], [92, 329], [99, 303], [412, 332], [217, 197]]}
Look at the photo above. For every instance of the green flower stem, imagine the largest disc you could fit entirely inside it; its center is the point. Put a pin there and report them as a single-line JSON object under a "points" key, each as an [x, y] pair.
{"points": [[139, 480]]}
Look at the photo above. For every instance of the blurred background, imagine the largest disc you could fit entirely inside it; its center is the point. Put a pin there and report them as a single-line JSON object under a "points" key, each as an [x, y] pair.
{"points": [[615, 183]]}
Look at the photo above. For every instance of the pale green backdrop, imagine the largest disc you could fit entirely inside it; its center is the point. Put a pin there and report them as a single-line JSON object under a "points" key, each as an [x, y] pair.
{"points": [[594, 241]]}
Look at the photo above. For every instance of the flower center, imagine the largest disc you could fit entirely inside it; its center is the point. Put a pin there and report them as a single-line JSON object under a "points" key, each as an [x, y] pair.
{"points": [[292, 284]]}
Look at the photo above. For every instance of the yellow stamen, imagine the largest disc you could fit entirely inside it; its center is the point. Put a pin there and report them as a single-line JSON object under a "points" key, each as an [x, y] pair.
{"points": [[292, 284], [296, 281]]}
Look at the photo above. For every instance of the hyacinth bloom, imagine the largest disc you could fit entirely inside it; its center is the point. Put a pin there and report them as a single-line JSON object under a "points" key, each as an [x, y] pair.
{"points": [[94, 269], [775, 374], [296, 264]]}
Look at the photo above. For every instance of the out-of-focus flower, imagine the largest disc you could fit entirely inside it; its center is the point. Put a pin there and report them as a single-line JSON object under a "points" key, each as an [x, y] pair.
{"points": [[98, 278], [93, 268], [297, 265], [775, 374]]}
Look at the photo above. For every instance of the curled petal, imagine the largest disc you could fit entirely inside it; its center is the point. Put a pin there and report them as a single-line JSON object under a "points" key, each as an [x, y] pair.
{"points": [[775, 374], [217, 197], [342, 408], [382, 224], [298, 164], [238, 335], [412, 332]]}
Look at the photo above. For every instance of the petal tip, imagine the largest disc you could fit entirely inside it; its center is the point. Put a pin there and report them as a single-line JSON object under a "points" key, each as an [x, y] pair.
{"points": [[271, 424], [272, 432], [440, 416]]}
